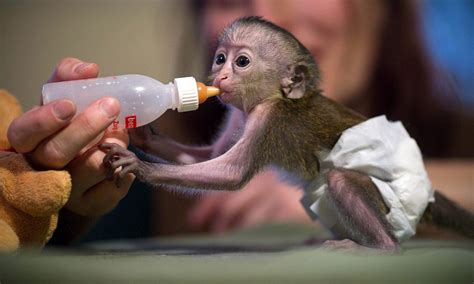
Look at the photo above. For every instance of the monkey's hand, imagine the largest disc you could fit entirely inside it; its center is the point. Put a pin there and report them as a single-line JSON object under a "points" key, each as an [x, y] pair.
{"points": [[119, 159]]}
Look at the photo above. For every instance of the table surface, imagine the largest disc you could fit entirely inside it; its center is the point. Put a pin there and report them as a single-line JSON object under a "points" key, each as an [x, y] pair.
{"points": [[268, 254]]}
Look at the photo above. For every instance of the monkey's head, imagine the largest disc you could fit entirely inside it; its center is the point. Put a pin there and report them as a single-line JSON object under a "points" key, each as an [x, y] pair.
{"points": [[257, 60]]}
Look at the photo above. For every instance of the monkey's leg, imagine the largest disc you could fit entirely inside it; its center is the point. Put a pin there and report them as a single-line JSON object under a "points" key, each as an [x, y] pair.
{"points": [[360, 211], [227, 172]]}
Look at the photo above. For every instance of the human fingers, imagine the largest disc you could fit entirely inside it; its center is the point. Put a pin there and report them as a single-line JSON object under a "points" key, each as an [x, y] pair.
{"points": [[236, 207], [58, 150], [210, 205], [91, 194], [287, 207], [87, 169], [221, 210], [28, 130], [263, 213], [205, 208], [100, 198], [283, 205], [257, 192], [73, 69]]}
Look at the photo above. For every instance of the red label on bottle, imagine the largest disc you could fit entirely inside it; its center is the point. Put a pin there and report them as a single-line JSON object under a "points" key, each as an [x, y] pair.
{"points": [[131, 121]]}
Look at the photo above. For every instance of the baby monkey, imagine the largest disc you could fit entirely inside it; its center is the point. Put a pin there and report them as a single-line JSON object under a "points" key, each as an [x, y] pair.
{"points": [[265, 72]]}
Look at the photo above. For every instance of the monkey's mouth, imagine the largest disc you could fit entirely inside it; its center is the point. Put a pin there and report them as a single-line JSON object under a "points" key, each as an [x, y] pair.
{"points": [[227, 95]]}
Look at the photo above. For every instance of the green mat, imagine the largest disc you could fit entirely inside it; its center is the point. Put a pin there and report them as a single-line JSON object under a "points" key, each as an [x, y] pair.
{"points": [[269, 254]]}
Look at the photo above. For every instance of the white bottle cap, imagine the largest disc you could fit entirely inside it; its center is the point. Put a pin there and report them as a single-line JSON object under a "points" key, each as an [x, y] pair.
{"points": [[187, 94]]}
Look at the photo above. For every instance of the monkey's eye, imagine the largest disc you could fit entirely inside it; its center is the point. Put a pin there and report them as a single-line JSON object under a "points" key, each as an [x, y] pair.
{"points": [[220, 59], [242, 61]]}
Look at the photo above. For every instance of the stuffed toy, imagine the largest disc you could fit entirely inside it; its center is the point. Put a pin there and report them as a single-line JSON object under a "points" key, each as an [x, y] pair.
{"points": [[30, 200]]}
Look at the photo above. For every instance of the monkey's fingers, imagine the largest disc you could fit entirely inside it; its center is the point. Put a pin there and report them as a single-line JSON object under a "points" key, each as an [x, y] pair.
{"points": [[108, 159], [123, 162], [108, 146], [109, 173], [127, 164], [122, 175], [109, 169], [113, 152], [114, 148]]}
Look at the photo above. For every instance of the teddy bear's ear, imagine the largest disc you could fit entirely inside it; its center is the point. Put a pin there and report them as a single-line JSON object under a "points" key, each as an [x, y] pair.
{"points": [[9, 109]]}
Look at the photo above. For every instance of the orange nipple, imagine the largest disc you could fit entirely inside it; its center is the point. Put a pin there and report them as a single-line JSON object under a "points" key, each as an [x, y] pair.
{"points": [[205, 92]]}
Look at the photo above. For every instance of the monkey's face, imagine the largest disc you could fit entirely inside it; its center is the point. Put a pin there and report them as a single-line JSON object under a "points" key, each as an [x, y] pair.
{"points": [[231, 65], [257, 62], [240, 74]]}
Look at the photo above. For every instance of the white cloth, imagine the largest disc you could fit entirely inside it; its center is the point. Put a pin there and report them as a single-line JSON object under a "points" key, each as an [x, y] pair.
{"points": [[392, 159]]}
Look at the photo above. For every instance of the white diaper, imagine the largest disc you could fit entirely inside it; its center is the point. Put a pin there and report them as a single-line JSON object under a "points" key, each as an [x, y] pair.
{"points": [[392, 159]]}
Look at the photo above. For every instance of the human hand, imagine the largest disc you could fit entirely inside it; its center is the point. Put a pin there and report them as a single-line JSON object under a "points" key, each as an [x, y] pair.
{"points": [[263, 200], [53, 138]]}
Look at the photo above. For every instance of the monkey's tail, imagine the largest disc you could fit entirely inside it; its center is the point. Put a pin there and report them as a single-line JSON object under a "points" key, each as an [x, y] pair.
{"points": [[447, 214]]}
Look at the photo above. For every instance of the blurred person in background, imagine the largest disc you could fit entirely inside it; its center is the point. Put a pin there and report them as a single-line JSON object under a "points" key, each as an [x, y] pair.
{"points": [[373, 59]]}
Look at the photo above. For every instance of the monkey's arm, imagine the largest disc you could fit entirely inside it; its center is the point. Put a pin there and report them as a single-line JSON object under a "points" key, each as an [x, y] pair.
{"points": [[230, 171], [226, 172], [172, 151]]}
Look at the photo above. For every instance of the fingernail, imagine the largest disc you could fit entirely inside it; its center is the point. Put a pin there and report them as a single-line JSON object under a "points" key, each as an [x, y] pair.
{"points": [[64, 109], [79, 68], [110, 107]]}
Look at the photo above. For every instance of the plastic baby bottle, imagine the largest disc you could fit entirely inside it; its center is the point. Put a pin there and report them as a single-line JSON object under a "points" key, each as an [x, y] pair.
{"points": [[142, 99]]}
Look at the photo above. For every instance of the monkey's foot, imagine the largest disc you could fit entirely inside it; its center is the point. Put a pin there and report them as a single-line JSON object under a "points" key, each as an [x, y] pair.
{"points": [[313, 241], [119, 159], [351, 247]]}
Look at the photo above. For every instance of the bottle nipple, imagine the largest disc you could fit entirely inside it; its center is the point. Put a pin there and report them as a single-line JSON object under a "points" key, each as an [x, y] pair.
{"points": [[205, 92]]}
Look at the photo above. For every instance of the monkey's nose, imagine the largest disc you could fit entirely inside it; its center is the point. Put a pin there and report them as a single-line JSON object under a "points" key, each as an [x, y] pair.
{"points": [[218, 81]]}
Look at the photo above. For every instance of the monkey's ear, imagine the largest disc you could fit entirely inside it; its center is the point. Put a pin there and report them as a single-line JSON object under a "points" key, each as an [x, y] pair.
{"points": [[293, 84]]}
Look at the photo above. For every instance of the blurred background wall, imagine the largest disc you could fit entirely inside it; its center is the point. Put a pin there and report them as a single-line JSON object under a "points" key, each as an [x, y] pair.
{"points": [[123, 37], [449, 27], [159, 38], [148, 36]]}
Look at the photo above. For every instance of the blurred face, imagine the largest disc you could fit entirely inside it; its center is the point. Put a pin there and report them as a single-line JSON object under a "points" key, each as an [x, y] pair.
{"points": [[325, 27]]}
